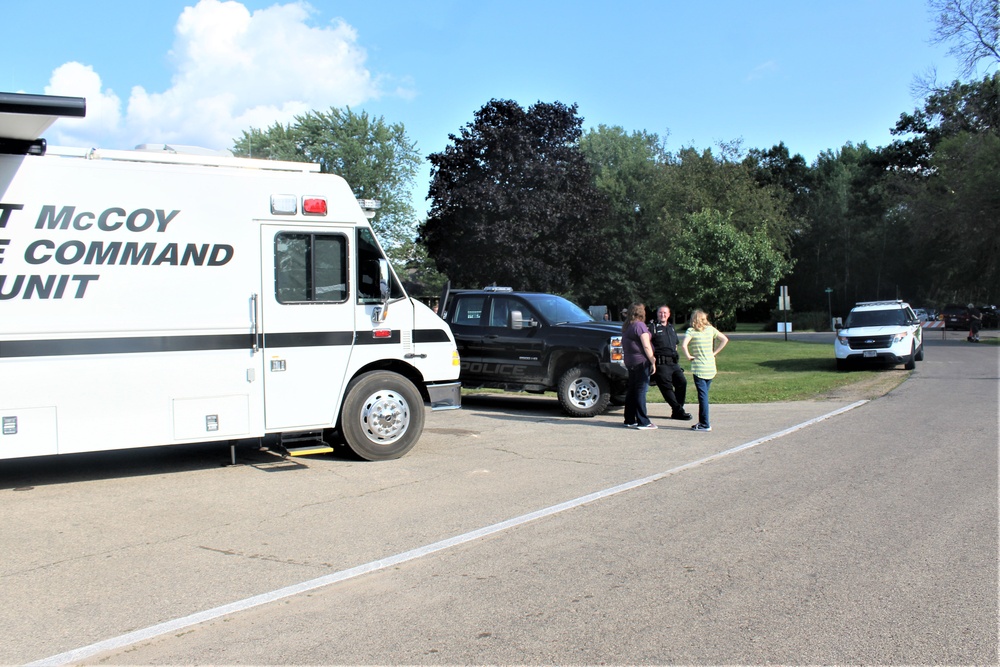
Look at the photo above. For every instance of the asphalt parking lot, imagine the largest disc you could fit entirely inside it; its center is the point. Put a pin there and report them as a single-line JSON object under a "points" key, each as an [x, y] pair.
{"points": [[158, 542]]}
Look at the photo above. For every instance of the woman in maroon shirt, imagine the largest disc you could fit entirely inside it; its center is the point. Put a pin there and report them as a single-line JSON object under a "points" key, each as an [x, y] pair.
{"points": [[637, 348]]}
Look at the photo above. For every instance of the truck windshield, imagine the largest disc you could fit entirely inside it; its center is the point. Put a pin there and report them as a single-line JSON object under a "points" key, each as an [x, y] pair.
{"points": [[556, 310], [876, 318]]}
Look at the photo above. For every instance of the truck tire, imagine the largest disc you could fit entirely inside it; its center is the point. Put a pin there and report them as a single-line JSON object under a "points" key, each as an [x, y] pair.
{"points": [[382, 417], [583, 391]]}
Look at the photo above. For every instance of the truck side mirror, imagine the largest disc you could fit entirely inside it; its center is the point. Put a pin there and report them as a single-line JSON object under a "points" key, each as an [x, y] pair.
{"points": [[516, 320], [383, 279]]}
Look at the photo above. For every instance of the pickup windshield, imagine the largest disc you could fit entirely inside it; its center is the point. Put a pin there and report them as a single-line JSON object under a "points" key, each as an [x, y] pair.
{"points": [[556, 310]]}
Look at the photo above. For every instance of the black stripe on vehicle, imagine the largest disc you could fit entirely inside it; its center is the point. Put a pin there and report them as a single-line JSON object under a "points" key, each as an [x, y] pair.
{"points": [[308, 339], [145, 344], [430, 336], [55, 348]]}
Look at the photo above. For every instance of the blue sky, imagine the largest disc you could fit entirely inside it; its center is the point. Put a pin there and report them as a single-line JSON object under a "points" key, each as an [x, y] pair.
{"points": [[815, 75]]}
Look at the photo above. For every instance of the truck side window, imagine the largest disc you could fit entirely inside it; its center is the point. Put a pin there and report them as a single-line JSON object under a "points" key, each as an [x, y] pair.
{"points": [[468, 311], [369, 290], [500, 309], [310, 268]]}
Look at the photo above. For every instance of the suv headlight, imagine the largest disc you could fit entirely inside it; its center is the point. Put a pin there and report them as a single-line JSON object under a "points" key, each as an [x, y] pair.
{"points": [[842, 340], [900, 337]]}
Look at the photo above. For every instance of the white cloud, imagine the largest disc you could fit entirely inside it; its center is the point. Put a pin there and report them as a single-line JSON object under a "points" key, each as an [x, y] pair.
{"points": [[103, 107], [763, 70], [233, 69]]}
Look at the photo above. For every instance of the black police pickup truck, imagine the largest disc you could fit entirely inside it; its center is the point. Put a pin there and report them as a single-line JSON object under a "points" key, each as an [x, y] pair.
{"points": [[527, 341]]}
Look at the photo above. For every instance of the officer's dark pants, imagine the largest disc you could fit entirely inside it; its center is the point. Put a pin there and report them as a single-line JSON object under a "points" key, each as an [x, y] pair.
{"points": [[669, 378]]}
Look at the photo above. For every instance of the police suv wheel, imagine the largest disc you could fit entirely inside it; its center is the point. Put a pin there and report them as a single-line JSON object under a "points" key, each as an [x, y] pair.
{"points": [[584, 391], [383, 416]]}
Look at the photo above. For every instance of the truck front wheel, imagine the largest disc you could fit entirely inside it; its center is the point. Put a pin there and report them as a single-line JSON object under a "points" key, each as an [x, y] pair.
{"points": [[383, 416], [584, 391]]}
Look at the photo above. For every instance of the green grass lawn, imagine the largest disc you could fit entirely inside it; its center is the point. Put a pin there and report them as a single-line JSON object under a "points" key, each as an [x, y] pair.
{"points": [[770, 370], [767, 371]]}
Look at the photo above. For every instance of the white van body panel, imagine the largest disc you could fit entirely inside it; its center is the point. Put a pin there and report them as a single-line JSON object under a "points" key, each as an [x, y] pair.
{"points": [[138, 304]]}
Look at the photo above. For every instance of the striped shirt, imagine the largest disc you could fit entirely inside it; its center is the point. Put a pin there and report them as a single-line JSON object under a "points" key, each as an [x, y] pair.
{"points": [[701, 346]]}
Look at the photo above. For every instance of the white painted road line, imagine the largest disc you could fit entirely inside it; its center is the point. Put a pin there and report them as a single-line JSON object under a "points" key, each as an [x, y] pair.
{"points": [[241, 605]]}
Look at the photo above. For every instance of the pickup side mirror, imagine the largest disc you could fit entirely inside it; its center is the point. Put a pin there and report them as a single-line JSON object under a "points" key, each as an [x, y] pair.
{"points": [[516, 320]]}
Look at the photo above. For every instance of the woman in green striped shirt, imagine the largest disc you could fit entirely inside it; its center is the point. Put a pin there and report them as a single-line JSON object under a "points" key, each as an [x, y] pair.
{"points": [[705, 341]]}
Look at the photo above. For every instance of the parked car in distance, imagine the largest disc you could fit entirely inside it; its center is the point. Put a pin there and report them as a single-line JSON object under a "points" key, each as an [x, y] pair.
{"points": [[923, 314], [955, 317], [884, 332]]}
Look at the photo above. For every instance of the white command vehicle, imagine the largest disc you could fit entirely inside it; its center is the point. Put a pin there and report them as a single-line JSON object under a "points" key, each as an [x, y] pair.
{"points": [[880, 332], [154, 298]]}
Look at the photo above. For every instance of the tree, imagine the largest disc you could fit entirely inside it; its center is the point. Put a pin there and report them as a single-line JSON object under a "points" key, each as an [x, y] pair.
{"points": [[416, 269], [943, 179], [376, 158], [955, 220], [961, 107], [973, 29], [719, 268], [626, 169], [512, 200], [694, 181], [777, 167]]}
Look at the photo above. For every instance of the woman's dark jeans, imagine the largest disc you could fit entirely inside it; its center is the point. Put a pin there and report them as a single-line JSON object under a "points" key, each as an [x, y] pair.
{"points": [[635, 396], [702, 385]]}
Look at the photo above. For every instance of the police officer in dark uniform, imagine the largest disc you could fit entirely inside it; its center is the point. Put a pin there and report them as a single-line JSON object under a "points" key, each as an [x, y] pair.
{"points": [[669, 376]]}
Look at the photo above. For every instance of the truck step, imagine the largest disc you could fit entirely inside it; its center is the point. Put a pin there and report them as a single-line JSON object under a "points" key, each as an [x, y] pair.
{"points": [[318, 448], [305, 443]]}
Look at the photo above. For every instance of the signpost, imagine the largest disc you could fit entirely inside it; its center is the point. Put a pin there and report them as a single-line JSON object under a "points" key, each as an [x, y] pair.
{"points": [[829, 305], [784, 305]]}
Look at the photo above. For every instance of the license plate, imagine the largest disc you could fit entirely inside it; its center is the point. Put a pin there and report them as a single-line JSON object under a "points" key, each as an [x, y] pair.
{"points": [[870, 353]]}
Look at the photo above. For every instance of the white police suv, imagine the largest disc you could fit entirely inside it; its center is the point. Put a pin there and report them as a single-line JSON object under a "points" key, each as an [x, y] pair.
{"points": [[885, 332]]}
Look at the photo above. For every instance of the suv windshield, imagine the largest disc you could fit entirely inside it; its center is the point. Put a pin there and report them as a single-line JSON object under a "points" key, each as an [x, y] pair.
{"points": [[876, 318], [556, 310]]}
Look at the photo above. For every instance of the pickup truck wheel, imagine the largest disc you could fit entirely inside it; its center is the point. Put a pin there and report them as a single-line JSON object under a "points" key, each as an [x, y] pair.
{"points": [[584, 391], [383, 416]]}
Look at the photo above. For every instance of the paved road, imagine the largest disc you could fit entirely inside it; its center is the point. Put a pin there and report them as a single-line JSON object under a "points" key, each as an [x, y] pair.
{"points": [[866, 537]]}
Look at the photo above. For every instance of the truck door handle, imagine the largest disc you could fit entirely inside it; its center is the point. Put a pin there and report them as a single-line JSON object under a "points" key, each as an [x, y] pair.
{"points": [[253, 317]]}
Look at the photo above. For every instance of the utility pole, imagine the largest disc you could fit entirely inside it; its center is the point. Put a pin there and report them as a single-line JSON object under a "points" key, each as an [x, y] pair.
{"points": [[829, 305]]}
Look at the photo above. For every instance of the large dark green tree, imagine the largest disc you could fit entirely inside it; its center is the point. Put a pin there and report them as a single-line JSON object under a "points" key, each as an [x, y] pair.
{"points": [[627, 168], [725, 182], [376, 158], [722, 197], [943, 174], [513, 201], [719, 268]]}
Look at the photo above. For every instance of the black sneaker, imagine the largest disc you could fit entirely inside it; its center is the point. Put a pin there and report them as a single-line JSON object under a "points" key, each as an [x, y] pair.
{"points": [[683, 416]]}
